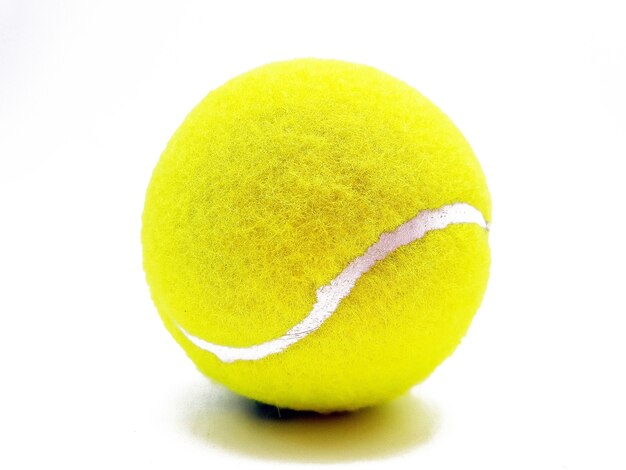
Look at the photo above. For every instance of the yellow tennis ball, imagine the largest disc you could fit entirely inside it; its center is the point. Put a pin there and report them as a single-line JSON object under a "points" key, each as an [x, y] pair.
{"points": [[315, 235]]}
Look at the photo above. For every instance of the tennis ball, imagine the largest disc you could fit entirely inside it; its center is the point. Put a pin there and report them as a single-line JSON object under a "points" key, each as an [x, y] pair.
{"points": [[315, 235]]}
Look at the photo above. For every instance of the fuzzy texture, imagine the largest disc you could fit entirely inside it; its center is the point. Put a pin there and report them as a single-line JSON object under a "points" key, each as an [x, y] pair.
{"points": [[273, 184]]}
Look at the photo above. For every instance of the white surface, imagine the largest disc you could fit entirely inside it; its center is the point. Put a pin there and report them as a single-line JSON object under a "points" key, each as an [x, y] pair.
{"points": [[90, 94]]}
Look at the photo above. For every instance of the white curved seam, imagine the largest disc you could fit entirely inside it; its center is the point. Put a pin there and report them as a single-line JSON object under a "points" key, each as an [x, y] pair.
{"points": [[330, 295]]}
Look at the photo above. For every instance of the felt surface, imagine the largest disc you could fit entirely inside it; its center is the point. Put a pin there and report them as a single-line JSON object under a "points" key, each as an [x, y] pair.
{"points": [[272, 185]]}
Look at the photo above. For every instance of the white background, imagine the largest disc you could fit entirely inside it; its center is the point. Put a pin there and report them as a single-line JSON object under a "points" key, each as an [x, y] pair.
{"points": [[90, 93]]}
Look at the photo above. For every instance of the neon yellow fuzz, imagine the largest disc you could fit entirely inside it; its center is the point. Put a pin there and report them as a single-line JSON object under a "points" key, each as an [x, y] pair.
{"points": [[315, 235]]}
